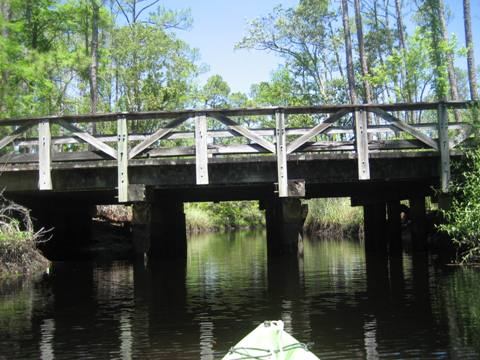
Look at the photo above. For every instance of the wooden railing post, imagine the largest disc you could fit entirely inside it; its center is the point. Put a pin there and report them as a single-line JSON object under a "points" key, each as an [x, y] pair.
{"points": [[122, 159], [44, 155], [361, 144], [443, 145], [281, 149], [201, 153]]}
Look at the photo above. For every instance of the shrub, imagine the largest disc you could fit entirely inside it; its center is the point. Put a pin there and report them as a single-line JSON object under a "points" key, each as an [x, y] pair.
{"points": [[462, 219]]}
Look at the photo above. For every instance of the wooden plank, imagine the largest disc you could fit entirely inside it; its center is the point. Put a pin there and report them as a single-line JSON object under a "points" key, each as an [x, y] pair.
{"points": [[218, 149], [83, 135], [318, 129], [122, 159], [15, 134], [157, 135], [281, 140], [405, 127], [44, 156], [321, 109], [444, 147], [175, 135], [201, 155], [465, 132], [249, 134], [361, 145]]}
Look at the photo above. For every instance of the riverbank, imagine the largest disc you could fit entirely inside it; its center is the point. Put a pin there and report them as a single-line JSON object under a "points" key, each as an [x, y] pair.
{"points": [[326, 217], [333, 217], [19, 255]]}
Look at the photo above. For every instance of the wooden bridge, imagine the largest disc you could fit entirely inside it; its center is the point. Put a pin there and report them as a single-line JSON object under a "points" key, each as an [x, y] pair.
{"points": [[388, 151]]}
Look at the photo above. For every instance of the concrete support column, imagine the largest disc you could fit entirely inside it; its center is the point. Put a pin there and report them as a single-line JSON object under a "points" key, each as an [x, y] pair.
{"points": [[285, 218], [418, 223], [374, 220], [394, 228], [159, 229]]}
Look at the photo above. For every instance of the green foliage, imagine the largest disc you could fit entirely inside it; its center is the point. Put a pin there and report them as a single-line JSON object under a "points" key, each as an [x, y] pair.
{"points": [[224, 215], [462, 219]]}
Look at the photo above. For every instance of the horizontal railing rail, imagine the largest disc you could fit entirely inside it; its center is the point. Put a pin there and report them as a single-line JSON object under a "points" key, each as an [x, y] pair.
{"points": [[205, 133]]}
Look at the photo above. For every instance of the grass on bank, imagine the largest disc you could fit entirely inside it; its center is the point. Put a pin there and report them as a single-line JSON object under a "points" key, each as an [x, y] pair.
{"points": [[333, 217], [18, 241]]}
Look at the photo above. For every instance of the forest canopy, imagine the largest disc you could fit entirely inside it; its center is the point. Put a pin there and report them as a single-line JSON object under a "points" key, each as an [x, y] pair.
{"points": [[82, 56]]}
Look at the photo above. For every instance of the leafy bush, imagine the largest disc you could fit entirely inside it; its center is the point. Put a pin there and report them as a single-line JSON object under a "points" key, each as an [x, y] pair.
{"points": [[462, 219], [229, 214]]}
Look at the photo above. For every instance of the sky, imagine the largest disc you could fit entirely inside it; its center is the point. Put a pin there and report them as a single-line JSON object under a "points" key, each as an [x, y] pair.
{"points": [[219, 24]]}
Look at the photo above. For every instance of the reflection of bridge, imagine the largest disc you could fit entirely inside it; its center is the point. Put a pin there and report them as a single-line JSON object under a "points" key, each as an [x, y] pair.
{"points": [[376, 154]]}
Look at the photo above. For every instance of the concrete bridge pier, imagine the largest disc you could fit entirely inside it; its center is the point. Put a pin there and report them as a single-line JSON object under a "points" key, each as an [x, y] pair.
{"points": [[418, 224], [394, 228], [159, 229], [284, 219], [375, 226]]}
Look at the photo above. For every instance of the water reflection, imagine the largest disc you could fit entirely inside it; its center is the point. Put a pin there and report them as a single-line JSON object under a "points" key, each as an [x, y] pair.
{"points": [[344, 303]]}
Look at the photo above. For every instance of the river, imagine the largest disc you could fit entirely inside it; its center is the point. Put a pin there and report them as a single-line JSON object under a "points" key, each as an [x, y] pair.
{"points": [[342, 304]]}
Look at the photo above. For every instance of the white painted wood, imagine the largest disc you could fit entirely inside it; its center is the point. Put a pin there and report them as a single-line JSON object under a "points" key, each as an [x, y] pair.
{"points": [[122, 159], [201, 153], [318, 129], [44, 156], [406, 127], [361, 145], [249, 134], [157, 135], [444, 147], [465, 132], [281, 140], [83, 135]]}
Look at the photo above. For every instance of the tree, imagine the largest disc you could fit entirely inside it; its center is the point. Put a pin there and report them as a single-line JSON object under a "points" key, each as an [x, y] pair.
{"points": [[361, 52], [154, 69], [215, 93], [303, 37], [349, 53], [452, 77], [472, 78]]}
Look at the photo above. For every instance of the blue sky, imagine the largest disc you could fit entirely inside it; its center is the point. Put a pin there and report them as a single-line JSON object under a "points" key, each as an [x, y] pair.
{"points": [[219, 24]]}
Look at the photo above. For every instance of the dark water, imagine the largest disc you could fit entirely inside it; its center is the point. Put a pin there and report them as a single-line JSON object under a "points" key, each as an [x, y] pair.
{"points": [[342, 305]]}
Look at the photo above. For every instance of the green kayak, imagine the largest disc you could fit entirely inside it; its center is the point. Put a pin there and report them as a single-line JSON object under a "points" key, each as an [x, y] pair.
{"points": [[270, 342]]}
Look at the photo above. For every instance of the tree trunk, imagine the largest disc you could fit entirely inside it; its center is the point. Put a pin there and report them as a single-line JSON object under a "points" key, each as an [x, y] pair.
{"points": [[376, 23], [349, 53], [94, 64], [452, 78], [472, 76], [361, 52], [6, 14]]}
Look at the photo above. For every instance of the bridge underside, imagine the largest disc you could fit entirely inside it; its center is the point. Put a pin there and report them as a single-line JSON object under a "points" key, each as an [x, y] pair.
{"points": [[162, 186], [331, 175]]}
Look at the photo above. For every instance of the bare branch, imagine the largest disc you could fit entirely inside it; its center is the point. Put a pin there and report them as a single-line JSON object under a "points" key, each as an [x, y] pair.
{"points": [[143, 9]]}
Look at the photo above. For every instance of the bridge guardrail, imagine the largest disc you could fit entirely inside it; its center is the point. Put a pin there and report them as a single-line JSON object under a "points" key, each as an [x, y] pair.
{"points": [[357, 135]]}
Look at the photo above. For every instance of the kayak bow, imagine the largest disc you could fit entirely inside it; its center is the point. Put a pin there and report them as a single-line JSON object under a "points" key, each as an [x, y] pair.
{"points": [[269, 342]]}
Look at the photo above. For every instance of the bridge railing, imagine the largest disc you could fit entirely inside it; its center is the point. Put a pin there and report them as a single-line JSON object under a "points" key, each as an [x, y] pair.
{"points": [[41, 143]]}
